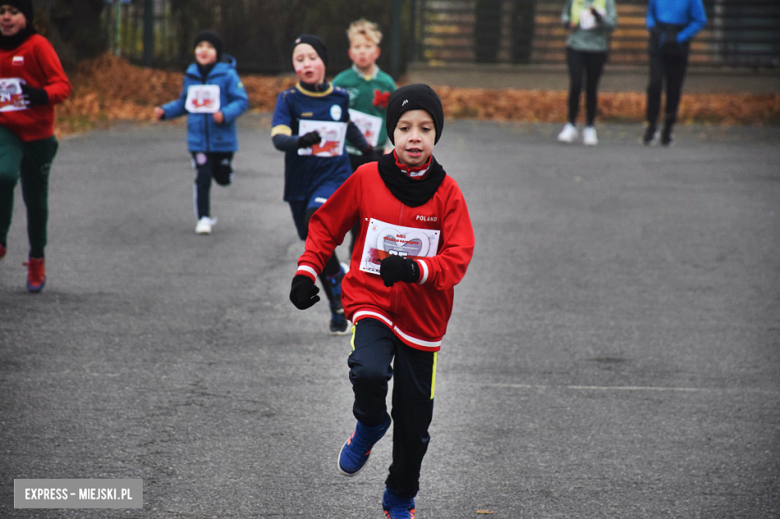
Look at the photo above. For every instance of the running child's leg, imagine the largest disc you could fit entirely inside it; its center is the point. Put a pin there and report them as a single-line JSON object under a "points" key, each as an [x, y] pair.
{"points": [[370, 369], [332, 273], [202, 164], [373, 347], [35, 169], [222, 168], [11, 153], [413, 391]]}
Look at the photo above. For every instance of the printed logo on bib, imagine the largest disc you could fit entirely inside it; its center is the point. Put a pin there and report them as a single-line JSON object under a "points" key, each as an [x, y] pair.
{"points": [[384, 239], [11, 98], [335, 112], [202, 99], [332, 137], [369, 125]]}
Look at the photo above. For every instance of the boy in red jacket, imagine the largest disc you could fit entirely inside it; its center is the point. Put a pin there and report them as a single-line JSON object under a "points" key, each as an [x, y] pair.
{"points": [[31, 83], [414, 246]]}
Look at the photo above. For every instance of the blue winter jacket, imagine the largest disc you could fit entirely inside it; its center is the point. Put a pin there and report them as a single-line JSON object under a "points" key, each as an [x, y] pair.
{"points": [[203, 134], [686, 13]]}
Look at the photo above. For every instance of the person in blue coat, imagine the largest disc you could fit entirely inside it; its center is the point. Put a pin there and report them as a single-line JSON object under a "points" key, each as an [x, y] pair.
{"points": [[672, 24], [214, 98]]}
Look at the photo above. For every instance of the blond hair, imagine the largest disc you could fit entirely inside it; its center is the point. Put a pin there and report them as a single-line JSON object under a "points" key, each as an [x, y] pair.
{"points": [[369, 30]]}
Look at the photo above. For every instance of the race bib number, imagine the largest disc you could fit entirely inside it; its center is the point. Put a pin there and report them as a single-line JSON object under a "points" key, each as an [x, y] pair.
{"points": [[11, 98], [384, 239], [587, 20], [369, 125], [332, 134], [202, 99]]}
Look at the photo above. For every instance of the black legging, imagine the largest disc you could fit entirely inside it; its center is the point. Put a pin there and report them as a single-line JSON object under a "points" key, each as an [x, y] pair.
{"points": [[593, 64], [673, 68], [216, 165]]}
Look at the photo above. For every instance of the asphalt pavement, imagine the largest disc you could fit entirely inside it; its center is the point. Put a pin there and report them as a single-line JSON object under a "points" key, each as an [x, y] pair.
{"points": [[614, 350]]}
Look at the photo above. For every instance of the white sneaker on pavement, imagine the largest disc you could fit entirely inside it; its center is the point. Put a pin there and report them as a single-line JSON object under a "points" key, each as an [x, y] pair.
{"points": [[589, 137], [568, 134], [204, 225]]}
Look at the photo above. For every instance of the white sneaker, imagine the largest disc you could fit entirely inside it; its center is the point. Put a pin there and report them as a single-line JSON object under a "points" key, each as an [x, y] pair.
{"points": [[589, 137], [568, 134], [204, 225]]}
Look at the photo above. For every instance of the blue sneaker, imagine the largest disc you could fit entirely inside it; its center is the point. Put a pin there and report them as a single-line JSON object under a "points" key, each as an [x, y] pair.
{"points": [[397, 507], [355, 452]]}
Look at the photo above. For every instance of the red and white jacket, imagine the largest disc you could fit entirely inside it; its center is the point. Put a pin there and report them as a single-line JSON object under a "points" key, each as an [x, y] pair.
{"points": [[36, 62], [417, 312]]}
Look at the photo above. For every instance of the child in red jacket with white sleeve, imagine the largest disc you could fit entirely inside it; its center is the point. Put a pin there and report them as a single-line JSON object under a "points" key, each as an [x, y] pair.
{"points": [[31, 83], [415, 244]]}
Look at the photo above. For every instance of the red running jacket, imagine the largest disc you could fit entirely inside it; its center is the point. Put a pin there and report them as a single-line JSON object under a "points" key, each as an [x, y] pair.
{"points": [[38, 65], [417, 312]]}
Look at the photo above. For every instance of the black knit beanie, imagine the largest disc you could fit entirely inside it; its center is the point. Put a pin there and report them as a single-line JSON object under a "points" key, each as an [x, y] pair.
{"points": [[316, 42], [414, 97], [26, 8], [213, 38]]}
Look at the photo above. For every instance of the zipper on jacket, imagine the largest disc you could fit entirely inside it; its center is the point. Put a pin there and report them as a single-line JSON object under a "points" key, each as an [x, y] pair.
{"points": [[206, 121]]}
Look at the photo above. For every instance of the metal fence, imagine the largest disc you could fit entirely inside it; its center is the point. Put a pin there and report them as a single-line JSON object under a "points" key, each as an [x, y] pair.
{"points": [[739, 33], [256, 32]]}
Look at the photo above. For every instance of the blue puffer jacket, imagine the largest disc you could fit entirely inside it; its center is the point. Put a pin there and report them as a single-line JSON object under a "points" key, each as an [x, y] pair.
{"points": [[203, 134]]}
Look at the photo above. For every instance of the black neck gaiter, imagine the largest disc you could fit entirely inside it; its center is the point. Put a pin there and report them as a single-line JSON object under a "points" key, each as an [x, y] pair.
{"points": [[12, 42], [410, 191]]}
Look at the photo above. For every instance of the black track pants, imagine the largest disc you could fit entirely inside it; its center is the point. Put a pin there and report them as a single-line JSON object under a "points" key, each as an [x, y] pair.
{"points": [[218, 166], [376, 357], [669, 68]]}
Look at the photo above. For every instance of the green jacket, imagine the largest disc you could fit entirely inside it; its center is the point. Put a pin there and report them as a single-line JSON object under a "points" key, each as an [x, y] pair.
{"points": [[367, 94], [592, 40]]}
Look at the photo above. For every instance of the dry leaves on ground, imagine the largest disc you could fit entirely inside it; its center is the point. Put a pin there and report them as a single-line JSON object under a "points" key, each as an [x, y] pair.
{"points": [[109, 88]]}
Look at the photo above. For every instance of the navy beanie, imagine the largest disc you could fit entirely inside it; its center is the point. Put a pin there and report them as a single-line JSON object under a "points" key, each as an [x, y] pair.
{"points": [[25, 7], [414, 97], [316, 42], [212, 37]]}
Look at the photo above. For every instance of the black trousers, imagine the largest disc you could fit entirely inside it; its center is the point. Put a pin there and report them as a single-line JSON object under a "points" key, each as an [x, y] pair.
{"points": [[592, 64], [672, 69], [218, 166], [378, 355]]}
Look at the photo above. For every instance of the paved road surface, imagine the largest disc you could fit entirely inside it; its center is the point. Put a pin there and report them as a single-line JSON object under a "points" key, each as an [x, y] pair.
{"points": [[614, 350]]}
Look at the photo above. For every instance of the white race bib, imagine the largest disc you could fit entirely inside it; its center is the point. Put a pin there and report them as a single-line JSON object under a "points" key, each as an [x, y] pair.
{"points": [[333, 136], [11, 99], [369, 125], [202, 99], [587, 20], [384, 239]]}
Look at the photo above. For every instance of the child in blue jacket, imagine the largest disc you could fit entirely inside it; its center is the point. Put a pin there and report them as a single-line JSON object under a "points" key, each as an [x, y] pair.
{"points": [[214, 97]]}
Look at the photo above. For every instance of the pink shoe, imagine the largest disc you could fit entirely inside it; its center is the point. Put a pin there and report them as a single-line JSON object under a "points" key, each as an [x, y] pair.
{"points": [[36, 274]]}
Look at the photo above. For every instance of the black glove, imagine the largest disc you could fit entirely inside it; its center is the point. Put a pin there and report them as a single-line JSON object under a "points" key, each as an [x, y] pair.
{"points": [[309, 139], [371, 155], [303, 293], [35, 96], [596, 14], [395, 268]]}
